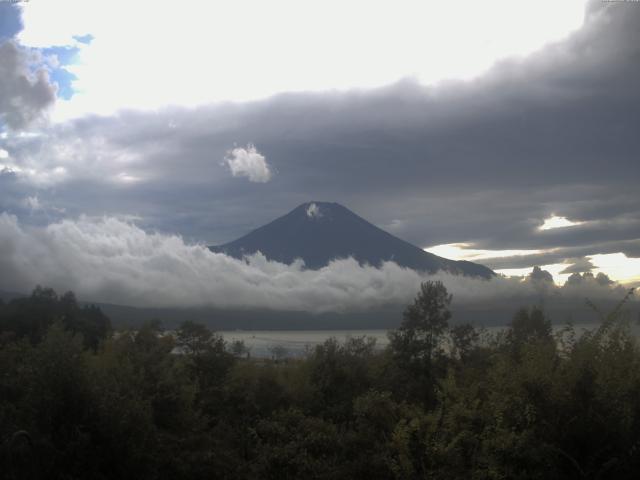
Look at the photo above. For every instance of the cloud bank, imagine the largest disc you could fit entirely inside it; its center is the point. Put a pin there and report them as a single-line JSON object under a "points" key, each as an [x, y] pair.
{"points": [[114, 261]]}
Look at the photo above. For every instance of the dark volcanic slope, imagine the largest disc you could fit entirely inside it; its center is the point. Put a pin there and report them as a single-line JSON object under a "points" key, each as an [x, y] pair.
{"points": [[318, 232]]}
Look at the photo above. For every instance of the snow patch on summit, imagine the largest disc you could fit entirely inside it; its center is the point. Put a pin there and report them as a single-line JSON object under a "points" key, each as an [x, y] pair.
{"points": [[313, 211]]}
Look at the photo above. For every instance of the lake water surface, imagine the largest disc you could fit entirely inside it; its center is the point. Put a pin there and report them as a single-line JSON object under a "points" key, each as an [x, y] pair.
{"points": [[295, 343]]}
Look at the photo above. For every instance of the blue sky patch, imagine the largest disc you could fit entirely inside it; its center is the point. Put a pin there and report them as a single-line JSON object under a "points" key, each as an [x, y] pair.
{"points": [[64, 79], [10, 20], [86, 39], [66, 55]]}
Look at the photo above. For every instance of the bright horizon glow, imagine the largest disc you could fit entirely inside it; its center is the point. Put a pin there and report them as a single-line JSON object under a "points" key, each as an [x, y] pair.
{"points": [[462, 251], [557, 222], [617, 266], [554, 269], [194, 53]]}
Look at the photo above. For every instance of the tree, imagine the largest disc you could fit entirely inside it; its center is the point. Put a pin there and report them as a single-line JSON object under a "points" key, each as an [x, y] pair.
{"points": [[239, 349], [417, 345], [529, 327], [339, 373], [89, 321], [424, 322], [32, 316], [195, 339], [464, 338], [207, 360]]}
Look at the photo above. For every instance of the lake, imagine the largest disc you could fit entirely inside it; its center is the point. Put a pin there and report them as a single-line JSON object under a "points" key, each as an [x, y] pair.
{"points": [[295, 343]]}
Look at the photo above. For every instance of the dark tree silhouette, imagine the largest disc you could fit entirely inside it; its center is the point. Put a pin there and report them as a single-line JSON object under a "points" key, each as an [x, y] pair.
{"points": [[424, 323]]}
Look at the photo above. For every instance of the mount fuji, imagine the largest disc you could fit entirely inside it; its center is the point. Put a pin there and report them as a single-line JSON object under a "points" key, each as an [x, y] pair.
{"points": [[319, 232]]}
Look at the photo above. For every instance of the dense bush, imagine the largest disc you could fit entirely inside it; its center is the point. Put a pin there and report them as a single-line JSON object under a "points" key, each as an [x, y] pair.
{"points": [[77, 401]]}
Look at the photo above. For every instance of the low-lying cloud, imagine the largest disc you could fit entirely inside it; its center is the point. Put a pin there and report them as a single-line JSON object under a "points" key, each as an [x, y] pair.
{"points": [[114, 261]]}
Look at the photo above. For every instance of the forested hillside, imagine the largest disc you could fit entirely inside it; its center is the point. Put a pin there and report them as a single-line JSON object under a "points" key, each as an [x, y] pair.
{"points": [[80, 401]]}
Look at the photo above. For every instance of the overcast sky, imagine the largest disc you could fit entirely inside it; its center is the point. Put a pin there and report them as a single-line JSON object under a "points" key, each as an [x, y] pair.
{"points": [[507, 132]]}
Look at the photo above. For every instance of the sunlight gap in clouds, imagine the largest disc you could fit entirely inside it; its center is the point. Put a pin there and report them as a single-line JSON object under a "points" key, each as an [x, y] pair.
{"points": [[617, 266], [463, 251], [195, 52], [555, 221]]}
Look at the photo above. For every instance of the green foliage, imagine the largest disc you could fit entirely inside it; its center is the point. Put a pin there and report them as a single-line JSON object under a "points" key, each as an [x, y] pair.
{"points": [[206, 360], [529, 326], [465, 340], [291, 445], [437, 403], [417, 346], [338, 373], [424, 323], [32, 316]]}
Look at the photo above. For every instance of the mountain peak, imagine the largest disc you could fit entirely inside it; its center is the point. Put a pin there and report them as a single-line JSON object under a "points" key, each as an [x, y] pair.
{"points": [[313, 211], [317, 210], [319, 232]]}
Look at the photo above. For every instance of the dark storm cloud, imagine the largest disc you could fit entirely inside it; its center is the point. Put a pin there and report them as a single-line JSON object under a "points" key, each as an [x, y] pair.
{"points": [[483, 161], [579, 265], [24, 94], [617, 229]]}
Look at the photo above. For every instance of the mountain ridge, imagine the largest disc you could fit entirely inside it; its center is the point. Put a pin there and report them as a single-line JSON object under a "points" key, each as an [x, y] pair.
{"points": [[319, 232]]}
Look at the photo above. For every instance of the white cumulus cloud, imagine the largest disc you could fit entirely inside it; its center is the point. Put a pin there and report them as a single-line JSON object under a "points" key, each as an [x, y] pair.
{"points": [[248, 162], [112, 260]]}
